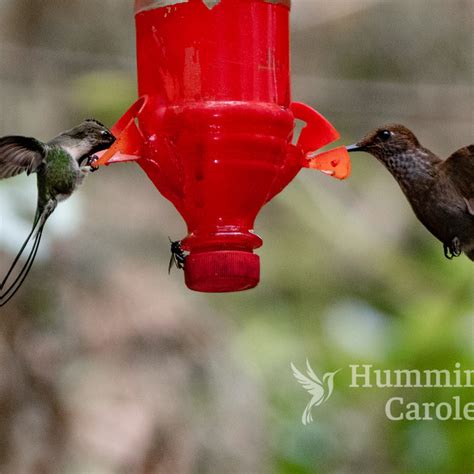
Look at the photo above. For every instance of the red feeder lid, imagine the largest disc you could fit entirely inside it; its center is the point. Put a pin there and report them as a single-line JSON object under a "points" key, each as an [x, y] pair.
{"points": [[222, 271]]}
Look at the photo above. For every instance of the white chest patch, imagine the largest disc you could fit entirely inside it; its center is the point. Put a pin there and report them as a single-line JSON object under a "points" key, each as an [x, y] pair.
{"points": [[77, 151]]}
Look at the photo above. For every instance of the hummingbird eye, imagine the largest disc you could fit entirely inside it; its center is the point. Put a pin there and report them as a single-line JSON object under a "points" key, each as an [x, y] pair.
{"points": [[104, 133], [384, 135]]}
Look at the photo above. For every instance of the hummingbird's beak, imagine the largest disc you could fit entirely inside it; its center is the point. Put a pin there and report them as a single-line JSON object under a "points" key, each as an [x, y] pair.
{"points": [[355, 147]]}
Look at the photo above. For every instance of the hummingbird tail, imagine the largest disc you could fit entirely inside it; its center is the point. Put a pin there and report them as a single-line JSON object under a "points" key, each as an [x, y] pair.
{"points": [[307, 417], [8, 294], [11, 291], [20, 253]]}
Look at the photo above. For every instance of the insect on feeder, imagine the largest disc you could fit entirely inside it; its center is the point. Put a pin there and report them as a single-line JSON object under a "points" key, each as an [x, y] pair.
{"points": [[213, 127]]}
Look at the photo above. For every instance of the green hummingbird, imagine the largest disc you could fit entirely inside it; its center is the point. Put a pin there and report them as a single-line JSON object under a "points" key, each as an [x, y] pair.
{"points": [[61, 165]]}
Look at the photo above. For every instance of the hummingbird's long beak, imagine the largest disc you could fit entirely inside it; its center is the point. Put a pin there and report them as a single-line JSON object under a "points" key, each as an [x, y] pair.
{"points": [[354, 147]]}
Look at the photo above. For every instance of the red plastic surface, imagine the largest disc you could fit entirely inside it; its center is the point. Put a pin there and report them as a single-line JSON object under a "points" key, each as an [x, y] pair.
{"points": [[129, 140], [219, 125], [318, 131], [217, 271], [335, 163], [215, 131]]}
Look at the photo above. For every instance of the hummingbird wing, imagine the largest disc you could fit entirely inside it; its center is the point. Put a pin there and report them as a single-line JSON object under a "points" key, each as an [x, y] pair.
{"points": [[314, 388], [460, 169], [311, 373], [19, 154], [329, 380]]}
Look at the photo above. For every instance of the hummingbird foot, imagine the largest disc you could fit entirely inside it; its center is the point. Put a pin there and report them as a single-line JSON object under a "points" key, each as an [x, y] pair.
{"points": [[453, 250], [456, 249]]}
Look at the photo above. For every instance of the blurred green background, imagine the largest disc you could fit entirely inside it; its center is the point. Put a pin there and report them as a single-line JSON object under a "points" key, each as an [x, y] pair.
{"points": [[108, 365]]}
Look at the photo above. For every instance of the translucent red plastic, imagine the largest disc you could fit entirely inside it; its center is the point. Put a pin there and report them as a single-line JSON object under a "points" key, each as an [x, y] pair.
{"points": [[213, 128]]}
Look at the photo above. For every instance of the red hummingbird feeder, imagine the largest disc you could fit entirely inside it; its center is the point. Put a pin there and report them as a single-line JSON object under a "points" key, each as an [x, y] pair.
{"points": [[213, 127]]}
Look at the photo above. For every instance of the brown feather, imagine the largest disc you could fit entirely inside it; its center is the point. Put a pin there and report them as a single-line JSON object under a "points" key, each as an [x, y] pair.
{"points": [[459, 167]]}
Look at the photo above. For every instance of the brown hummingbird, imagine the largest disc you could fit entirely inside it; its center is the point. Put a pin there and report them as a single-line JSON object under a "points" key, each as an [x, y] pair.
{"points": [[441, 192]]}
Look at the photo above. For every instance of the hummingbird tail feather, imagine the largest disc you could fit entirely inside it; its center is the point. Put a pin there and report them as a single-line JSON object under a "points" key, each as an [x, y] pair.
{"points": [[20, 253], [307, 417], [16, 285], [8, 294]]}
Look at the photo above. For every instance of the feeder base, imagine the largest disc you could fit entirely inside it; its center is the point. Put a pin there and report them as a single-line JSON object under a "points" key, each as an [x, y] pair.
{"points": [[222, 271]]}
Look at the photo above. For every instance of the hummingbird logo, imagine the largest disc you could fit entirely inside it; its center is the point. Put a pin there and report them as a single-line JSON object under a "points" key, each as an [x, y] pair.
{"points": [[320, 391]]}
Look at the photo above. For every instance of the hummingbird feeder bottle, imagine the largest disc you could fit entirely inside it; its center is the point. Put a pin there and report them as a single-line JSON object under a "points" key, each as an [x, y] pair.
{"points": [[213, 127]]}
